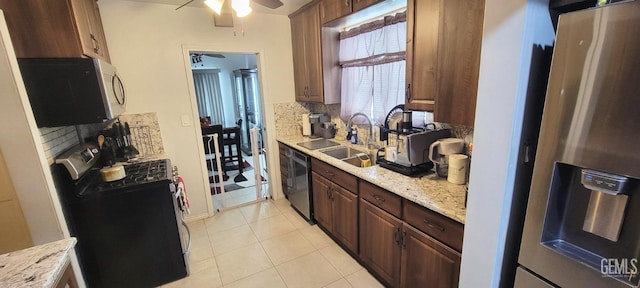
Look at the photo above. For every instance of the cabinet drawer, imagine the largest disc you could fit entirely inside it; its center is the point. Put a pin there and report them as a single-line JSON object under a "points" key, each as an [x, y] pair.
{"points": [[435, 225], [336, 175], [388, 201]]}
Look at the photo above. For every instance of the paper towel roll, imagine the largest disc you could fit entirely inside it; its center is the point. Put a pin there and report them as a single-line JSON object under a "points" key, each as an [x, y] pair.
{"points": [[306, 125], [458, 166]]}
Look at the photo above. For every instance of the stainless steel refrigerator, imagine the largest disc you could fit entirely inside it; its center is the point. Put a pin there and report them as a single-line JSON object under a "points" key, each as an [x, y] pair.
{"points": [[582, 223]]}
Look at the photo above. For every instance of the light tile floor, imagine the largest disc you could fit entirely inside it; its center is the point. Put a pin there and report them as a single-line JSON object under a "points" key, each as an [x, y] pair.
{"points": [[268, 244]]}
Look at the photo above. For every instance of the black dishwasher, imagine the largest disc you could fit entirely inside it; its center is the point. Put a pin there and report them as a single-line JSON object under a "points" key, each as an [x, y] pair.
{"points": [[298, 178]]}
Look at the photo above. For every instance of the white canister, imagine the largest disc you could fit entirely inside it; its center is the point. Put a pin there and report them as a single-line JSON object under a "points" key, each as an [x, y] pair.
{"points": [[458, 166]]}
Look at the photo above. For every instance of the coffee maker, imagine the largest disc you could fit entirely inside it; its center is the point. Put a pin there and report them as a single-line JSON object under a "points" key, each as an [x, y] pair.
{"points": [[318, 123], [440, 151]]}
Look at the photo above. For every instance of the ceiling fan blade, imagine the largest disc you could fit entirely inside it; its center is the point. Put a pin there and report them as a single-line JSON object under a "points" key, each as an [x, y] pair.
{"points": [[215, 55], [273, 4], [185, 4]]}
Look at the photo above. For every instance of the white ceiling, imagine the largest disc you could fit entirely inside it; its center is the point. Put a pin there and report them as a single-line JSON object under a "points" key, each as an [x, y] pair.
{"points": [[287, 8]]}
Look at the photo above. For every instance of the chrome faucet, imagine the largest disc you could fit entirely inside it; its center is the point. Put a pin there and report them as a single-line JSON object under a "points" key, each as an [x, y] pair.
{"points": [[370, 142]]}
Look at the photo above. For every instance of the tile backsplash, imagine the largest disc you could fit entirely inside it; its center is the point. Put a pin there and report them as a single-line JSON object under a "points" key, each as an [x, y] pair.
{"points": [[56, 140], [145, 134], [289, 122]]}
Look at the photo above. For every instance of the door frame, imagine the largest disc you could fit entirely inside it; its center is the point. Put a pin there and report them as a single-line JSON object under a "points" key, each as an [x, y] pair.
{"points": [[197, 132]]}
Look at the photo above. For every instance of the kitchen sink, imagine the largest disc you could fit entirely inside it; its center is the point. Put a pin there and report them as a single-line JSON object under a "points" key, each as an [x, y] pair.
{"points": [[341, 152], [349, 155]]}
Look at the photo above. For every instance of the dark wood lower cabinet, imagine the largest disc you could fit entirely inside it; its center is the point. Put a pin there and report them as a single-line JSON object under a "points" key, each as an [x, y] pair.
{"points": [[336, 210], [379, 242], [345, 215], [426, 262], [321, 201], [403, 256]]}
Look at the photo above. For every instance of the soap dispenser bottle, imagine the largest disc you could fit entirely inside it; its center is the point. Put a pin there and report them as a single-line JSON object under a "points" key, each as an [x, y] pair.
{"points": [[354, 135]]}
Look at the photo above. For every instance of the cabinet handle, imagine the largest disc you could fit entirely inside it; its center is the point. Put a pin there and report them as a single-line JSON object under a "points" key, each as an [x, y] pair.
{"points": [[433, 225], [404, 239], [380, 199], [321, 11], [96, 46], [330, 174], [408, 92], [347, 3], [396, 235]]}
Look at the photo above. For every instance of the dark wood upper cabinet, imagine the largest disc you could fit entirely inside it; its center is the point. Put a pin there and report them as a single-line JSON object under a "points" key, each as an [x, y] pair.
{"points": [[307, 55], [361, 4], [331, 10], [443, 58], [55, 28]]}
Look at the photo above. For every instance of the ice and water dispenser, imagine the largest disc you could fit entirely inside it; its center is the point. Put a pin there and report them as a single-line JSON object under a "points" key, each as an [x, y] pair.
{"points": [[592, 216]]}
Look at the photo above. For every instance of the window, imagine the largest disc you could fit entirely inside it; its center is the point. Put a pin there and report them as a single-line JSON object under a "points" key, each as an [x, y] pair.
{"points": [[373, 63], [372, 57], [208, 95]]}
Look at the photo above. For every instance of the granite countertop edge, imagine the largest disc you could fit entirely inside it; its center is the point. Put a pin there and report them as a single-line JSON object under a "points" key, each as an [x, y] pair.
{"points": [[428, 191], [38, 266]]}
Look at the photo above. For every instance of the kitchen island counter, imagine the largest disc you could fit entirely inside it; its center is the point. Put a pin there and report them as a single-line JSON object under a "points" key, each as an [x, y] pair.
{"points": [[429, 190], [38, 266]]}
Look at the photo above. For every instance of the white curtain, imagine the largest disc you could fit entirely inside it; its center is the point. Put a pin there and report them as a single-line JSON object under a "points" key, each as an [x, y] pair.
{"points": [[208, 95], [373, 73]]}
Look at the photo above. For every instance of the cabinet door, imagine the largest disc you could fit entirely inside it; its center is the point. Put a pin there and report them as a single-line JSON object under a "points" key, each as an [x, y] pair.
{"points": [[423, 25], [379, 242], [426, 262], [333, 9], [97, 32], [313, 54], [299, 60], [345, 217], [81, 15], [321, 201], [459, 62], [42, 28], [361, 4]]}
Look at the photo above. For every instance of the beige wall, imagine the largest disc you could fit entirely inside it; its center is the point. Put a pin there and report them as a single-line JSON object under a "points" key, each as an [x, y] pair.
{"points": [[511, 29], [146, 43]]}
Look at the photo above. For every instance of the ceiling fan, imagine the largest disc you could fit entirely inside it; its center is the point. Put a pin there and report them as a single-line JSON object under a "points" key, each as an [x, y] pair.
{"points": [[197, 57], [240, 6]]}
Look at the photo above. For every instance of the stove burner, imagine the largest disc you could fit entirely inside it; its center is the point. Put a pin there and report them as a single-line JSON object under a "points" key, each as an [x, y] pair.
{"points": [[140, 173]]}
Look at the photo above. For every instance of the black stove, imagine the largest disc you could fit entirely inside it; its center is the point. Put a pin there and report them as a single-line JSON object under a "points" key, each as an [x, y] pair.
{"points": [[129, 231]]}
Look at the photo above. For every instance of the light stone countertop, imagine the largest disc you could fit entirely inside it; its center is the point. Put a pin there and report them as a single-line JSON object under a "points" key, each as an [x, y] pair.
{"points": [[38, 266], [429, 190]]}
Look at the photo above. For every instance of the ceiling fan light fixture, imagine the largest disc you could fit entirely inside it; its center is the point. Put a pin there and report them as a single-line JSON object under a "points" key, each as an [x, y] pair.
{"points": [[241, 7], [216, 5]]}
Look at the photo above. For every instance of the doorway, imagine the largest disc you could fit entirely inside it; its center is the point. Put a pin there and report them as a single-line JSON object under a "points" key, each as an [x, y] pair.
{"points": [[229, 101]]}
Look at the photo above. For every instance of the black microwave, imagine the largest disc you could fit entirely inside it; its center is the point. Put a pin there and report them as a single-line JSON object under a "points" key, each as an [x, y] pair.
{"points": [[72, 91]]}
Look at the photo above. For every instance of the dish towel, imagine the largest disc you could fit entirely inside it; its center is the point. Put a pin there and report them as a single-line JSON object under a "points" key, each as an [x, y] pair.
{"points": [[183, 199]]}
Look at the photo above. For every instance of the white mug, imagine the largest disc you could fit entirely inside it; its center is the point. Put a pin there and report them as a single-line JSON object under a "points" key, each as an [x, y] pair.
{"points": [[391, 154]]}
